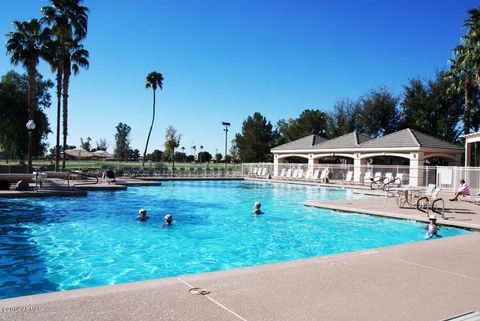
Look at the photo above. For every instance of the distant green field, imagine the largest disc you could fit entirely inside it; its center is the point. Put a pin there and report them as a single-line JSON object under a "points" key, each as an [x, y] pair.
{"points": [[86, 164]]}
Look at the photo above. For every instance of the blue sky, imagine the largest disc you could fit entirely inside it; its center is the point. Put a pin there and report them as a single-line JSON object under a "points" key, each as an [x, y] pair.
{"points": [[223, 60]]}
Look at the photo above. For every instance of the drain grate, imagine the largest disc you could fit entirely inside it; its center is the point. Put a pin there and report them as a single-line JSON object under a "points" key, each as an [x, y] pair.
{"points": [[198, 291]]}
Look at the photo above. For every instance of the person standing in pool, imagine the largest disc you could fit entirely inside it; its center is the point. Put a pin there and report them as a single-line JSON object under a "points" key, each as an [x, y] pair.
{"points": [[432, 228], [142, 215], [168, 220], [256, 208]]}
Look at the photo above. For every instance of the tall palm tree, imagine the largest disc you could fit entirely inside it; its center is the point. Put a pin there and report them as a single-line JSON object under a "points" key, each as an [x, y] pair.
{"points": [[68, 19], [27, 44], [154, 80], [75, 57], [461, 77]]}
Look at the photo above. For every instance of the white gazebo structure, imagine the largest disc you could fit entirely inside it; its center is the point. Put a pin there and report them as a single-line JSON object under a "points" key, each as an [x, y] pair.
{"points": [[408, 144], [469, 139]]}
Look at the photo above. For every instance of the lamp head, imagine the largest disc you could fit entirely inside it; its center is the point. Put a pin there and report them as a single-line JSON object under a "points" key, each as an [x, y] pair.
{"points": [[225, 124], [30, 125]]}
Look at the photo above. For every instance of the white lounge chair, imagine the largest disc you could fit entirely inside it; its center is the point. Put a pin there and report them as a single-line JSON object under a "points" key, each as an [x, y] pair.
{"points": [[300, 174], [283, 172], [324, 175], [295, 173], [348, 177], [388, 178], [308, 174], [367, 179], [289, 173]]}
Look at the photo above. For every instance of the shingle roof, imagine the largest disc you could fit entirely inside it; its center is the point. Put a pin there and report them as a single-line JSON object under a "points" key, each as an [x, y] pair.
{"points": [[408, 138], [350, 140], [302, 143]]}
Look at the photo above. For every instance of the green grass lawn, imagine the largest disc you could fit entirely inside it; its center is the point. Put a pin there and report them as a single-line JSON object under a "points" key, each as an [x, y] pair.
{"points": [[88, 164]]}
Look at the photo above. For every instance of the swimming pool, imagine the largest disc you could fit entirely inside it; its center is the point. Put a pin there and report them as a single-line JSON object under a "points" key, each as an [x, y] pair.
{"points": [[51, 244]]}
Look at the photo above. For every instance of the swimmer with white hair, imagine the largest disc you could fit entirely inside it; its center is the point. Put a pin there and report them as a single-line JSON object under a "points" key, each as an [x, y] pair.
{"points": [[168, 220], [142, 215], [256, 208]]}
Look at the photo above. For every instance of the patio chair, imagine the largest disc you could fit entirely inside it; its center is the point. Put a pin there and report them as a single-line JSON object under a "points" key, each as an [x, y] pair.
{"points": [[295, 173], [348, 177], [283, 172], [182, 171], [252, 174], [425, 203], [324, 175], [300, 174], [316, 174], [157, 171], [388, 178], [391, 194], [215, 172], [288, 174], [208, 172], [191, 172], [308, 174], [474, 199], [222, 172], [399, 179], [367, 179]]}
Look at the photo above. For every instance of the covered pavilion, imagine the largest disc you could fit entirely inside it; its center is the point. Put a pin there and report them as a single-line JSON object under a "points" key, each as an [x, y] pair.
{"points": [[408, 144]]}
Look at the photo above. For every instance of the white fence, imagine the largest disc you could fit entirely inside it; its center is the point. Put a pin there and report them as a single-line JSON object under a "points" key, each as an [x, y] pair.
{"points": [[448, 178], [338, 172]]}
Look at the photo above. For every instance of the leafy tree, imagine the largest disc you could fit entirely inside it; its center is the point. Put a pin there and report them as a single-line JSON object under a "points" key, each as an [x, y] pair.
{"points": [[344, 118], [153, 80], [26, 45], [86, 143], [155, 156], [122, 141], [218, 157], [256, 139], [309, 122], [427, 107], [14, 114], [69, 24], [190, 158], [205, 156], [180, 157], [172, 141], [234, 152], [101, 144], [133, 154], [228, 159], [379, 112]]}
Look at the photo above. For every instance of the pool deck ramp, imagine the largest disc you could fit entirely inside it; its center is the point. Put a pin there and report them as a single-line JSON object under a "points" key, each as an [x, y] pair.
{"points": [[428, 280]]}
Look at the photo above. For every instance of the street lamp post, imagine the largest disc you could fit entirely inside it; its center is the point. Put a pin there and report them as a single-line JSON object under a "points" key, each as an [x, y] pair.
{"points": [[30, 127], [226, 134]]}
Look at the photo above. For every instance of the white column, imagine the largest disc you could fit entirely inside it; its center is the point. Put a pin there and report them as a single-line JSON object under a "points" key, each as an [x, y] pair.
{"points": [[416, 169], [359, 167], [275, 165], [468, 152], [311, 163]]}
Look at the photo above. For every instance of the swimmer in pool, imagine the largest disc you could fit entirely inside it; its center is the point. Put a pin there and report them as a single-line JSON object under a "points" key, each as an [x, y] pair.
{"points": [[168, 220], [432, 227], [256, 208], [142, 215]]}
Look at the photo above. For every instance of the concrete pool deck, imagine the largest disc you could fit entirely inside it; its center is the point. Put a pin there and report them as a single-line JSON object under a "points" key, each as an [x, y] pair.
{"points": [[428, 280]]}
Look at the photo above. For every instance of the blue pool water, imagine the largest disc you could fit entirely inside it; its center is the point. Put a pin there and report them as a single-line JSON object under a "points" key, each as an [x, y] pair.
{"points": [[50, 244]]}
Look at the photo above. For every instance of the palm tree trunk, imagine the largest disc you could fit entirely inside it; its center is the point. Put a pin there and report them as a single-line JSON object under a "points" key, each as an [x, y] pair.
{"points": [[466, 115], [32, 90], [32, 98], [66, 80], [150, 131], [59, 108]]}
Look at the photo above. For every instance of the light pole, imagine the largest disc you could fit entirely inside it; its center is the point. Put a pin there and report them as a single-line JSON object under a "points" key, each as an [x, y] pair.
{"points": [[226, 134], [30, 127]]}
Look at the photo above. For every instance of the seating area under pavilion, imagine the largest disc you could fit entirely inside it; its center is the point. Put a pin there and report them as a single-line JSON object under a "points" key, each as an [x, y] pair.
{"points": [[407, 146]]}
